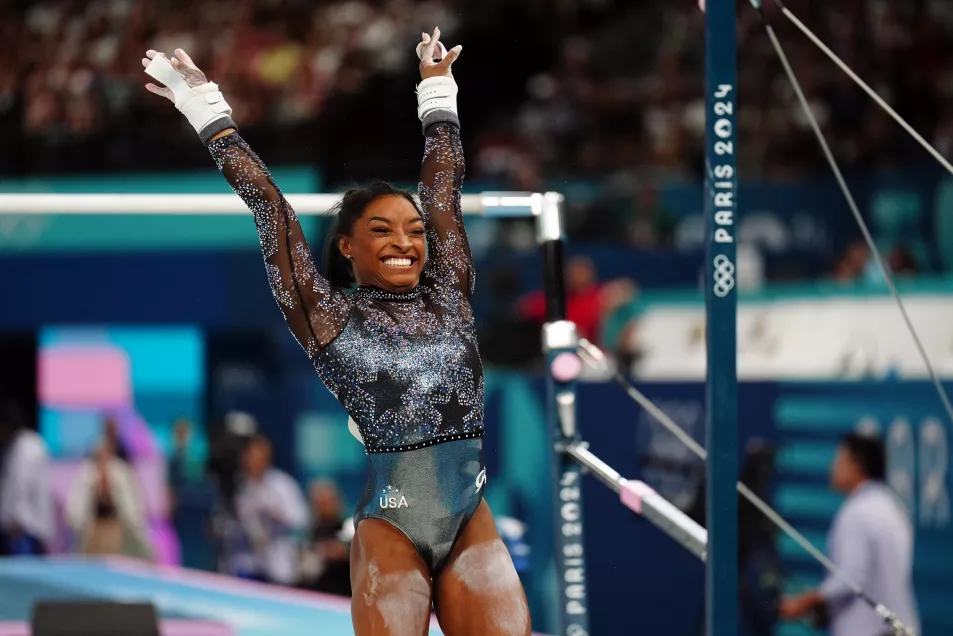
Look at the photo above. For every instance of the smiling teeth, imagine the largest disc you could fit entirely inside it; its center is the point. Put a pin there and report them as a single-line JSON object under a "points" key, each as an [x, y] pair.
{"points": [[398, 262]]}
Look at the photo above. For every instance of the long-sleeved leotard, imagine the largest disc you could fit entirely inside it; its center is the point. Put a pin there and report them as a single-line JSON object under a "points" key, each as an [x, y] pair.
{"points": [[404, 366]]}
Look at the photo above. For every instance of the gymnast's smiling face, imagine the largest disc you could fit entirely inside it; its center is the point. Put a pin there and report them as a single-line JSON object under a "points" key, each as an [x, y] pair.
{"points": [[387, 246]]}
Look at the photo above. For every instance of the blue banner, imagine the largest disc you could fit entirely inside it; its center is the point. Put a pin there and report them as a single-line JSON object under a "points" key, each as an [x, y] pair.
{"points": [[218, 289]]}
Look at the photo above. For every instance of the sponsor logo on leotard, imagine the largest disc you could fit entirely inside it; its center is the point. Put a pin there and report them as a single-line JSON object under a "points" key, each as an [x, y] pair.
{"points": [[391, 498], [481, 479]]}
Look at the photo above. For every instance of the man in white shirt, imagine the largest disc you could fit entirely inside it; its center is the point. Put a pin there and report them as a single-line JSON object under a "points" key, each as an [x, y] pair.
{"points": [[273, 515], [26, 499], [871, 541]]}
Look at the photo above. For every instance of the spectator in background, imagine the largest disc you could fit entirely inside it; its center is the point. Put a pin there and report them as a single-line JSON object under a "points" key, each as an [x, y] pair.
{"points": [[871, 541], [858, 266], [112, 436], [587, 301], [26, 500], [327, 559], [105, 508], [193, 495], [272, 513], [178, 460], [902, 262], [853, 265]]}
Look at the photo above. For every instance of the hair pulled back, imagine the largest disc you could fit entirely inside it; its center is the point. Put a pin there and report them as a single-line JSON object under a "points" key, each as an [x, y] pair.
{"points": [[338, 269]]}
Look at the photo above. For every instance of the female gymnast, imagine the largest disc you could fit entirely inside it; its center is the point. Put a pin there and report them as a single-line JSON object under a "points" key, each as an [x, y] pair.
{"points": [[399, 353]]}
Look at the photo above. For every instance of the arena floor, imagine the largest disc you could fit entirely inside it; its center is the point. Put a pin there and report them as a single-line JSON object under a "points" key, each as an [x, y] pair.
{"points": [[250, 609]]}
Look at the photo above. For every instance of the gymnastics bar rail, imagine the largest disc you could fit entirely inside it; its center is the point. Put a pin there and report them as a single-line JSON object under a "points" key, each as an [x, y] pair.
{"points": [[495, 204]]}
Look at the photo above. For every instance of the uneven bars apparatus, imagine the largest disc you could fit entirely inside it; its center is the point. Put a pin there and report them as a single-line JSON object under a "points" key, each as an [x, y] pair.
{"points": [[560, 343], [571, 457]]}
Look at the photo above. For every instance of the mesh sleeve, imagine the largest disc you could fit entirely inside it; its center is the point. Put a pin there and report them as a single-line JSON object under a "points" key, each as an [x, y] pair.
{"points": [[449, 262], [315, 311]]}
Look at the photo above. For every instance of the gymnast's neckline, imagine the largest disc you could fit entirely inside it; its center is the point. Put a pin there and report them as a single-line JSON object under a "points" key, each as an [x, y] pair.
{"points": [[376, 293]]}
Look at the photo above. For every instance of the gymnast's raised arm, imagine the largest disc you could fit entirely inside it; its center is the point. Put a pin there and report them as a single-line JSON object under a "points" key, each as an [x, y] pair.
{"points": [[441, 174], [315, 312]]}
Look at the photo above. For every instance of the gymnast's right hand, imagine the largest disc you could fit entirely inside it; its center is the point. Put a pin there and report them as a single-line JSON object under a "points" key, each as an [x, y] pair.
{"points": [[185, 85]]}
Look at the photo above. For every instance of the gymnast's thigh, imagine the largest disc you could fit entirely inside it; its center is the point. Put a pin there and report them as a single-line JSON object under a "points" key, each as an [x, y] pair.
{"points": [[478, 592], [391, 587]]}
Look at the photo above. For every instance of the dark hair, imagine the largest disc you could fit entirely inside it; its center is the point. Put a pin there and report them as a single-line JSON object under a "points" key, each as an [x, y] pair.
{"points": [[869, 453], [338, 269]]}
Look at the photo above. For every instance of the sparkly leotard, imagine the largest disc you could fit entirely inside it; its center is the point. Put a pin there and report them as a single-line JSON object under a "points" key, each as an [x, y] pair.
{"points": [[404, 366]]}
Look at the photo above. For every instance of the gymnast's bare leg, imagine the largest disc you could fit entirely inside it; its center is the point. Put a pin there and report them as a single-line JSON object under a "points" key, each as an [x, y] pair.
{"points": [[478, 593], [391, 587]]}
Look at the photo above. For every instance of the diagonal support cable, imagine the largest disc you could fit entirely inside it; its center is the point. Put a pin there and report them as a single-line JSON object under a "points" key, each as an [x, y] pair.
{"points": [[867, 89], [851, 203]]}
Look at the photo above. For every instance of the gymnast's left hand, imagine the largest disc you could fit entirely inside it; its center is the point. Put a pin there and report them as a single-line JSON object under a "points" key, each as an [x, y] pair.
{"points": [[185, 85], [435, 60], [186, 68]]}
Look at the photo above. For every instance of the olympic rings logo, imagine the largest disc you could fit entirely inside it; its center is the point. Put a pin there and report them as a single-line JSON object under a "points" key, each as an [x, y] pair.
{"points": [[724, 276]]}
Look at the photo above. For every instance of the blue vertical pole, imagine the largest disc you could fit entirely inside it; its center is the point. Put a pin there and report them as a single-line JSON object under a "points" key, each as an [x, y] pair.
{"points": [[721, 303]]}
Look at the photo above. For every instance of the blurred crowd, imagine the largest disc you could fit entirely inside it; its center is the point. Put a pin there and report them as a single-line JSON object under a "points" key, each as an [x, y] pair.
{"points": [[262, 527], [72, 74], [618, 92], [608, 92], [600, 98], [630, 94]]}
